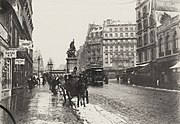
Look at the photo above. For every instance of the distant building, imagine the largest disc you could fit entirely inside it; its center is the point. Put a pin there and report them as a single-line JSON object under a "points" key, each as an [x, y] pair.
{"points": [[82, 58], [119, 45], [36, 55], [112, 46], [93, 45]]}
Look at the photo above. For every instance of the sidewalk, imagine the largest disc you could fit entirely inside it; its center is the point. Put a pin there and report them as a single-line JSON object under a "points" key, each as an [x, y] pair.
{"points": [[38, 107]]}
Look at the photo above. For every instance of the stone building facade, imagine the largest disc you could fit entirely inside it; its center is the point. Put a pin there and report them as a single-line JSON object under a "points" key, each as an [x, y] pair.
{"points": [[149, 15], [168, 48], [15, 25], [93, 45], [119, 45]]}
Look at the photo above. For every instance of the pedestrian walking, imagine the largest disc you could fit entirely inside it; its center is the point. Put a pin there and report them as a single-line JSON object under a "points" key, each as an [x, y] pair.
{"points": [[30, 83], [117, 77]]}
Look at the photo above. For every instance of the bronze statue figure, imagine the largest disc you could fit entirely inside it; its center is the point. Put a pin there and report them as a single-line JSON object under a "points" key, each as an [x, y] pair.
{"points": [[71, 51]]}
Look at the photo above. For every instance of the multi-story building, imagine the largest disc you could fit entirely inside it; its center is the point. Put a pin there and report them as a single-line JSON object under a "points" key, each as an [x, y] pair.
{"points": [[15, 25], [148, 18], [81, 58], [93, 45], [168, 48], [119, 45]]}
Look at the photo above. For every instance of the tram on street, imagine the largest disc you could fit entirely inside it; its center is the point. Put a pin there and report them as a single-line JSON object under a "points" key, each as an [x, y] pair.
{"points": [[95, 76]]}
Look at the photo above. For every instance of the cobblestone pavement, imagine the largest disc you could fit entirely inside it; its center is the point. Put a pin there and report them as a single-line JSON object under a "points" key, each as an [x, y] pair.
{"points": [[111, 104], [38, 107], [138, 105]]}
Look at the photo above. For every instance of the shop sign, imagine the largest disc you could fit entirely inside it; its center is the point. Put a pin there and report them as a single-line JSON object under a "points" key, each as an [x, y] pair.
{"points": [[19, 61], [10, 54], [25, 44]]}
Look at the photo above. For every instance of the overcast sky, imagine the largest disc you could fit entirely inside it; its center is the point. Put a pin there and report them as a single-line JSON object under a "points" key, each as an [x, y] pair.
{"points": [[57, 22]]}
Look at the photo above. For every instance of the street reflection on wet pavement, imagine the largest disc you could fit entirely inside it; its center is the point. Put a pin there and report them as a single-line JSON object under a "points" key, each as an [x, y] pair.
{"points": [[39, 106]]}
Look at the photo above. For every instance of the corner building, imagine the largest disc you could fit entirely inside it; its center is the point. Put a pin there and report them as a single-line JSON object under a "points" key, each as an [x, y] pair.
{"points": [[119, 45], [148, 18], [93, 45]]}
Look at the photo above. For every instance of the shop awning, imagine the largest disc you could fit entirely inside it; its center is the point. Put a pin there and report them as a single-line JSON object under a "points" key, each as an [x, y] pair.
{"points": [[176, 66], [142, 65]]}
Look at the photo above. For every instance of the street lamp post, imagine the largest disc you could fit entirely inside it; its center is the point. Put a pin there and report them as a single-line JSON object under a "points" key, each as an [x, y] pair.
{"points": [[38, 64]]}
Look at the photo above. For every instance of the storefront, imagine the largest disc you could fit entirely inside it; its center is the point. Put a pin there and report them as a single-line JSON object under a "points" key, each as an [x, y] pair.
{"points": [[168, 78], [5, 66]]}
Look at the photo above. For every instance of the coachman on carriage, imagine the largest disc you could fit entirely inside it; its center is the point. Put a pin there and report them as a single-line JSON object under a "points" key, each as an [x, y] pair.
{"points": [[75, 86]]}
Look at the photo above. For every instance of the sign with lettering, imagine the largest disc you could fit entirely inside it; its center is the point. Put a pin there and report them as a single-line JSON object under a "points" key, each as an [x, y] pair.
{"points": [[19, 61], [25, 44], [10, 54]]}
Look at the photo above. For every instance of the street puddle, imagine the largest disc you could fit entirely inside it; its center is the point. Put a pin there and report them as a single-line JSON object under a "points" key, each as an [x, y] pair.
{"points": [[94, 114]]}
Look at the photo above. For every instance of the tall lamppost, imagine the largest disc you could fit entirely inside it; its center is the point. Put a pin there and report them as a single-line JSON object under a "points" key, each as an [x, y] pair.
{"points": [[39, 59]]}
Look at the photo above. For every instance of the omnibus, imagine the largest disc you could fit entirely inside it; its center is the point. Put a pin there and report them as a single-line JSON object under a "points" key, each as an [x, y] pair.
{"points": [[95, 76]]}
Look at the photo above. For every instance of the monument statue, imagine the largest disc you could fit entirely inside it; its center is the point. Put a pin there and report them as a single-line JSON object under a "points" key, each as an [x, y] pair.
{"points": [[71, 51]]}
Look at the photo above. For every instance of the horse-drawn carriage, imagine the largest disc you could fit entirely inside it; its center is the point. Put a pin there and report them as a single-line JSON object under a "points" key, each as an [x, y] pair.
{"points": [[75, 86]]}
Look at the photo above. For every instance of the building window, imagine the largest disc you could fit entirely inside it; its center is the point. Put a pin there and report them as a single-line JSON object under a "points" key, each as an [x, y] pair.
{"points": [[111, 48], [121, 34], [121, 29], [132, 48], [131, 29], [167, 44], [111, 58], [116, 29], [116, 48], [126, 34], [126, 29], [139, 56], [106, 58], [106, 48], [161, 48], [145, 39], [101, 33], [116, 34], [175, 42], [144, 10], [152, 37], [121, 48], [145, 23], [110, 35], [106, 35], [139, 42], [139, 26], [132, 34], [139, 14], [151, 20], [127, 48], [110, 29]]}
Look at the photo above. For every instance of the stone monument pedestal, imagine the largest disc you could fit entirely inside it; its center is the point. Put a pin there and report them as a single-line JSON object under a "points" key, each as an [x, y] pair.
{"points": [[71, 63]]}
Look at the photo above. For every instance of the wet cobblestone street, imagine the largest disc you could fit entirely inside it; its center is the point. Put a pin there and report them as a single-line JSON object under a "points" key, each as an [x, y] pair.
{"points": [[38, 107]]}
